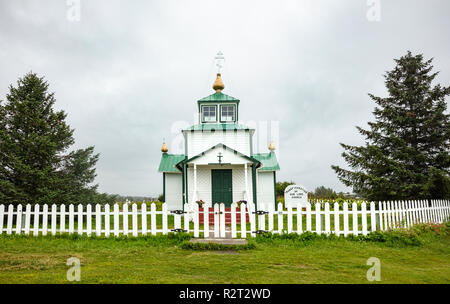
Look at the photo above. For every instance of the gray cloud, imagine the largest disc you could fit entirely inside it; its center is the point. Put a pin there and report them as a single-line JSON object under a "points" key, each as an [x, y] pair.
{"points": [[129, 69]]}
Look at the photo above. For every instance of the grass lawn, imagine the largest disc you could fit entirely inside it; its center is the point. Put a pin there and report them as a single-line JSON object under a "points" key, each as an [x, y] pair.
{"points": [[160, 259]]}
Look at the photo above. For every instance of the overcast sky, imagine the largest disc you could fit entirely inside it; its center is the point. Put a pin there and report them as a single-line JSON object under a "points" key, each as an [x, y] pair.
{"points": [[129, 73]]}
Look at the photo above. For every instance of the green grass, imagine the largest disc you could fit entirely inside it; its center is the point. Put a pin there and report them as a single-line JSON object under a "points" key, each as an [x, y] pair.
{"points": [[417, 256]]}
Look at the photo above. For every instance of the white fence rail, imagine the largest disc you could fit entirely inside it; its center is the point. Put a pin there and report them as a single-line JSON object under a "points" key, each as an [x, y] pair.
{"points": [[238, 221]]}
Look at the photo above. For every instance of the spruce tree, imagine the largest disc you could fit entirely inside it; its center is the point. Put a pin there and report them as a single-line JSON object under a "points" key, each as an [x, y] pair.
{"points": [[35, 165], [406, 151]]}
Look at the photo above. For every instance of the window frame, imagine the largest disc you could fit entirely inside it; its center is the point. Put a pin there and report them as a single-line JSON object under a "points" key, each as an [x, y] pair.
{"points": [[234, 113], [203, 115]]}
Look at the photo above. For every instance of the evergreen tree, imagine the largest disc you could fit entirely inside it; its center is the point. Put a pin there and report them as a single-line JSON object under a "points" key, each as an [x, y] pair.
{"points": [[406, 154], [35, 166]]}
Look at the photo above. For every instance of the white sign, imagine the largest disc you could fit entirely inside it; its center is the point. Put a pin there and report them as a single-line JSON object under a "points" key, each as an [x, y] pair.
{"points": [[295, 194]]}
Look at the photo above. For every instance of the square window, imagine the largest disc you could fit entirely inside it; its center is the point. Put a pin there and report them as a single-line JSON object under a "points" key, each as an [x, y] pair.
{"points": [[227, 113], [209, 113]]}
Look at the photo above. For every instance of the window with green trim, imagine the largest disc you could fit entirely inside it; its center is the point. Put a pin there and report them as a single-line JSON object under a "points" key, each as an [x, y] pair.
{"points": [[227, 113], [209, 114]]}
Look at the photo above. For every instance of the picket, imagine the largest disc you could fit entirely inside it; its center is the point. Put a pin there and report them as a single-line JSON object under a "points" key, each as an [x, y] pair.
{"points": [[107, 220], [385, 216], [134, 220], [144, 219], [186, 215], [27, 219], [327, 218], [89, 220], [62, 218], [243, 220], [98, 220], [345, 208], [18, 229], [196, 222], [280, 218], [71, 218], [364, 218], [53, 220], [222, 220], [10, 219], [116, 220], [233, 220], [206, 219], [308, 218], [2, 216], [289, 223], [251, 212], [336, 220], [164, 218], [373, 219], [389, 214], [125, 219], [270, 217], [216, 220], [153, 218], [318, 219], [355, 218], [80, 219], [299, 219]]}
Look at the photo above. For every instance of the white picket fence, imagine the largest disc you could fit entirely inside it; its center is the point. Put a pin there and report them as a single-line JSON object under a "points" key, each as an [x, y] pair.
{"points": [[318, 217]]}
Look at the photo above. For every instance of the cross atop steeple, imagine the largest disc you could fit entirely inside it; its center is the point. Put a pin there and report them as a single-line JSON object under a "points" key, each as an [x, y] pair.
{"points": [[219, 59]]}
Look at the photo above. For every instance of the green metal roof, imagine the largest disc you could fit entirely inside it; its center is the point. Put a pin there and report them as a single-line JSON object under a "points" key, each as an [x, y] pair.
{"points": [[216, 126], [268, 160], [168, 162], [218, 97]]}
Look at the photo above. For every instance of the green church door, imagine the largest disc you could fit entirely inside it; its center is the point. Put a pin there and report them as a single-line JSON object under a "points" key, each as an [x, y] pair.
{"points": [[222, 187]]}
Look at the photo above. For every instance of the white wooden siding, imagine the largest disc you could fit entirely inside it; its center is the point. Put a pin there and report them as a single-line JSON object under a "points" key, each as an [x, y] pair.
{"points": [[174, 190], [264, 187], [198, 141]]}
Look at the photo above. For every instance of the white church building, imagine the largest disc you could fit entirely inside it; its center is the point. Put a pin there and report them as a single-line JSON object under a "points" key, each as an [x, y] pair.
{"points": [[218, 164]]}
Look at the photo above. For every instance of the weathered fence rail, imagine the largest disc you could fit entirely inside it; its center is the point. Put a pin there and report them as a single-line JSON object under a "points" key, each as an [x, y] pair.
{"points": [[219, 221]]}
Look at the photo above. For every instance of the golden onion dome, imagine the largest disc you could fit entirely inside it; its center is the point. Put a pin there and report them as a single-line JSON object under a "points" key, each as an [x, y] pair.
{"points": [[272, 146], [218, 84], [164, 148]]}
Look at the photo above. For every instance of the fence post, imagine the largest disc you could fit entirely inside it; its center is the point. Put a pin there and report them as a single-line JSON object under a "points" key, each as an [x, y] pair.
{"points": [[144, 219], [355, 218], [336, 220], [98, 220], [19, 219], [89, 220], [364, 218], [153, 218], [134, 219], [186, 217], [107, 220], [27, 219], [243, 221], [280, 218], [53, 219], [373, 219], [222, 220], [299, 219], [71, 218], [116, 220], [262, 218], [62, 218], [164, 217], [233, 220], [345, 214]]}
